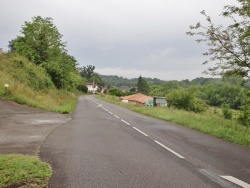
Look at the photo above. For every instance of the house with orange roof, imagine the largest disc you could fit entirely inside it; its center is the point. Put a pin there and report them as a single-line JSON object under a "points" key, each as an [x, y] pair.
{"points": [[138, 99]]}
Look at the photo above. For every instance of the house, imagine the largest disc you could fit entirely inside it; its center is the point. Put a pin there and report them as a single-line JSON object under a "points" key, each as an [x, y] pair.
{"points": [[137, 99], [92, 87]]}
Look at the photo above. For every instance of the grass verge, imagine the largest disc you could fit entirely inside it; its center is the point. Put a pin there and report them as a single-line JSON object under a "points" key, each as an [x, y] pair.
{"points": [[14, 167], [210, 122], [51, 99]]}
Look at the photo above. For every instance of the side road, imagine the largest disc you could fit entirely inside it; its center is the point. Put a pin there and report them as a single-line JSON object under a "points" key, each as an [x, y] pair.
{"points": [[24, 129]]}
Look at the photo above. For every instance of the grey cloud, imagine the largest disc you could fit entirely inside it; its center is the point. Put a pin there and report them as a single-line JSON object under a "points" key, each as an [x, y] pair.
{"points": [[125, 36]]}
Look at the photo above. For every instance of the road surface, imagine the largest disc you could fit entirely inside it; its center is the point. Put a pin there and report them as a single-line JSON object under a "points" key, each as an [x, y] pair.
{"points": [[105, 145], [23, 129]]}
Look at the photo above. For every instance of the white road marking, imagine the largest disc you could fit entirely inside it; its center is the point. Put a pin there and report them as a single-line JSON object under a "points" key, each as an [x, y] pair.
{"points": [[236, 181], [116, 116], [215, 178], [178, 155], [140, 131], [125, 122], [111, 113]]}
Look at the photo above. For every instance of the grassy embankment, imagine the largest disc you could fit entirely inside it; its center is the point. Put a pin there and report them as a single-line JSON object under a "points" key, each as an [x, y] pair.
{"points": [[210, 122], [29, 85]]}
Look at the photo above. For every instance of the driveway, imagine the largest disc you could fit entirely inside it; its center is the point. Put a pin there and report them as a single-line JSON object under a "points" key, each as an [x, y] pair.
{"points": [[24, 129]]}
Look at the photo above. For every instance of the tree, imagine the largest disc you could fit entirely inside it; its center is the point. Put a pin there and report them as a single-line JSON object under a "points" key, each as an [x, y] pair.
{"points": [[41, 43], [41, 40], [87, 72], [142, 86], [230, 45]]}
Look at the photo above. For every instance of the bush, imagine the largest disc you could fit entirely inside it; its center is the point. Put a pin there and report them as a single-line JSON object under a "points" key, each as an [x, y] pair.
{"points": [[115, 91], [244, 117], [226, 111], [186, 100]]}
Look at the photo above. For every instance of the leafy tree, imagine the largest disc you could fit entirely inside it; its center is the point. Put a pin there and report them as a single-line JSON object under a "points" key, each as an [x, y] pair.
{"points": [[222, 93], [95, 78], [230, 45], [41, 43], [87, 72], [41, 40], [142, 86]]}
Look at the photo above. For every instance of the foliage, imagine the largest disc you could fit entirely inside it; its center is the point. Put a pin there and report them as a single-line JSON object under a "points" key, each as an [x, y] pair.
{"points": [[223, 93], [95, 78], [115, 91], [19, 167], [226, 111], [229, 46], [142, 86], [185, 99], [40, 41], [244, 117], [41, 44], [30, 84], [86, 72], [24, 71]]}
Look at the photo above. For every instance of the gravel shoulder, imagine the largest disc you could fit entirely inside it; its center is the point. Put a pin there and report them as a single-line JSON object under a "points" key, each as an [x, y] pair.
{"points": [[24, 129]]}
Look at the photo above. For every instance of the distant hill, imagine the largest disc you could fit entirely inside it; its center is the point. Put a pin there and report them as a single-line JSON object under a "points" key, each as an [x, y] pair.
{"points": [[119, 81]]}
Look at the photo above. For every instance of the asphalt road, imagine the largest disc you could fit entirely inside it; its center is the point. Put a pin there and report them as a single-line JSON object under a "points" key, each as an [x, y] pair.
{"points": [[24, 129], [110, 146]]}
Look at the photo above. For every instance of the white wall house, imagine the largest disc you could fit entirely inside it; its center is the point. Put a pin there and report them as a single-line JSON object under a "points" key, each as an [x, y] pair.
{"points": [[92, 87]]}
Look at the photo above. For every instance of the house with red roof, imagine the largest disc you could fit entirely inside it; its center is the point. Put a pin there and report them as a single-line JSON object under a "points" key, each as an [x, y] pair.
{"points": [[138, 99]]}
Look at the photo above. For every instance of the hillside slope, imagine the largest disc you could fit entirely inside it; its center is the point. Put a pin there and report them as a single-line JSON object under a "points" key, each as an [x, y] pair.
{"points": [[30, 84]]}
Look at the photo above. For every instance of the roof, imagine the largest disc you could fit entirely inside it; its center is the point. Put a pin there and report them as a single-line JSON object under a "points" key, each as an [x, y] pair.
{"points": [[141, 98]]}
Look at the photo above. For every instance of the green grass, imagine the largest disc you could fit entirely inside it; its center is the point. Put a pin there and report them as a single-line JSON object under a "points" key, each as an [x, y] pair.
{"points": [[30, 85], [15, 167], [210, 122]]}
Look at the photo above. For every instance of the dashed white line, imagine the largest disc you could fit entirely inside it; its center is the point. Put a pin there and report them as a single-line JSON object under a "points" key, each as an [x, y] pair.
{"points": [[111, 113], [116, 116], [178, 155], [140, 131], [236, 181], [125, 122]]}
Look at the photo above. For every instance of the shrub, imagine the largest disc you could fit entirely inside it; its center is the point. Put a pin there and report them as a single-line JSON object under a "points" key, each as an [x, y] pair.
{"points": [[115, 91], [226, 111], [186, 100], [244, 117]]}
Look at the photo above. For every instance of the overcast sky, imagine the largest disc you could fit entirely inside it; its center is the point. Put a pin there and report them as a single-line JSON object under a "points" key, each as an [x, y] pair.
{"points": [[127, 38]]}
